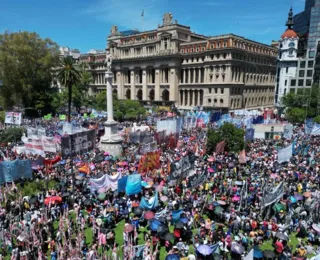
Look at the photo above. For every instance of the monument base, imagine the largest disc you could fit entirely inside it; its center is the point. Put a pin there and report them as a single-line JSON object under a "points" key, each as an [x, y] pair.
{"points": [[111, 142]]}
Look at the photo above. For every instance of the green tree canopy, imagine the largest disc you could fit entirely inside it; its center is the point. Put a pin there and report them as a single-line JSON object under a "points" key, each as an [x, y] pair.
{"points": [[233, 137], [26, 65], [296, 115]]}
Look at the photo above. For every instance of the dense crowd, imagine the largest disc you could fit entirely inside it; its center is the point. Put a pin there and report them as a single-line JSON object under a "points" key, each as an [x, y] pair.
{"points": [[223, 217]]}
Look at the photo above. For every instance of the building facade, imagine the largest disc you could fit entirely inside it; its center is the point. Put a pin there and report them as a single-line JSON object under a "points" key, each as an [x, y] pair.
{"points": [[172, 65]]}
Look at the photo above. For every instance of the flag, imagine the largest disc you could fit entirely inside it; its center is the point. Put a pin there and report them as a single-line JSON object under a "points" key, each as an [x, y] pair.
{"points": [[85, 169], [142, 13], [242, 157], [249, 256], [220, 147], [285, 154], [315, 129]]}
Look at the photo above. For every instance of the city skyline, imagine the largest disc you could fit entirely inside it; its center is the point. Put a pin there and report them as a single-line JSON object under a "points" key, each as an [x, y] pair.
{"points": [[85, 26]]}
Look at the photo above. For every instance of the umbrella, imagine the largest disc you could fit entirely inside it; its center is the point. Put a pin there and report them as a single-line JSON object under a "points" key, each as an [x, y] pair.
{"points": [[293, 199], [269, 254], [218, 210], [162, 229], [138, 211], [53, 199], [281, 236], [102, 196], [149, 215], [184, 220], [221, 202], [316, 227], [162, 219], [87, 203], [101, 190], [110, 209], [65, 194], [257, 253], [235, 198], [298, 197], [211, 159], [163, 198], [237, 248], [173, 257], [204, 250], [128, 228], [168, 237], [155, 224], [179, 225]]}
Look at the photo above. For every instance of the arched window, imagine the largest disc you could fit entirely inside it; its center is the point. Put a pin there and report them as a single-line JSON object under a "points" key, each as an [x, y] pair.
{"points": [[151, 94], [128, 94], [139, 94], [165, 95]]}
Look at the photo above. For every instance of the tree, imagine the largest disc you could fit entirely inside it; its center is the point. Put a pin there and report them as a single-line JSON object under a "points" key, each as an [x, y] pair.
{"points": [[296, 115], [317, 119], [233, 137], [69, 75], [26, 68]]}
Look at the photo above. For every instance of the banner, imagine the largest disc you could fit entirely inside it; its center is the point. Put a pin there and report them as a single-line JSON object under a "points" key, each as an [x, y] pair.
{"points": [[13, 118], [308, 126], [285, 154], [106, 181], [249, 136], [149, 204], [49, 144], [122, 184], [272, 196], [315, 129], [32, 145], [178, 168], [133, 184], [14, 170], [196, 180], [77, 143], [249, 256], [288, 131]]}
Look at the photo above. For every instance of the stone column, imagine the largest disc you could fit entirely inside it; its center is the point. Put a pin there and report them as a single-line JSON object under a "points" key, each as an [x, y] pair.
{"points": [[189, 76], [199, 98], [200, 76], [132, 85], [120, 84], [186, 98], [195, 98], [190, 98], [144, 85], [157, 85], [194, 75], [184, 76], [109, 76]]}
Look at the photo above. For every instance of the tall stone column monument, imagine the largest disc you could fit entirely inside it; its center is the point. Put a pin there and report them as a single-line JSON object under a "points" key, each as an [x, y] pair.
{"points": [[111, 142]]}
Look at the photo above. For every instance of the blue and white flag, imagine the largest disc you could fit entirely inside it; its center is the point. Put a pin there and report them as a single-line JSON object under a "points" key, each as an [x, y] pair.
{"points": [[285, 154], [288, 131], [308, 126], [315, 129]]}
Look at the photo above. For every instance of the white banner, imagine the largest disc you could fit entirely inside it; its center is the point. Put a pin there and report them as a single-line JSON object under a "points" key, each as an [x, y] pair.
{"points": [[49, 144], [285, 154], [13, 118], [249, 256], [33, 145]]}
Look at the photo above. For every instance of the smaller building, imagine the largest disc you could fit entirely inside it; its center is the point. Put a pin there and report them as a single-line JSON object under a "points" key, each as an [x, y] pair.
{"points": [[269, 131]]}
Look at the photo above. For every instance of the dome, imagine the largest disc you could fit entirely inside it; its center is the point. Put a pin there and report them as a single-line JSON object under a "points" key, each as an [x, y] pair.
{"points": [[289, 33]]}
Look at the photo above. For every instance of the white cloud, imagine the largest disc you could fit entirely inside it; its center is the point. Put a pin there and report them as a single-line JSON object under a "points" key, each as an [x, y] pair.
{"points": [[126, 14]]}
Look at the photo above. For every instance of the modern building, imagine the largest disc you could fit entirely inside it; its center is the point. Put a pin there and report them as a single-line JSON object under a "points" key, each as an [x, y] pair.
{"points": [[302, 19], [295, 68], [173, 65]]}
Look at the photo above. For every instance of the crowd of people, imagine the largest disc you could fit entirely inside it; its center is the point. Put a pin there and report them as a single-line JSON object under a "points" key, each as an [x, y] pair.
{"points": [[221, 216]]}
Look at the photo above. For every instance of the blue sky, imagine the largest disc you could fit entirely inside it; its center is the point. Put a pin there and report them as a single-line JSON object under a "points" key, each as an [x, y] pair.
{"points": [[85, 24]]}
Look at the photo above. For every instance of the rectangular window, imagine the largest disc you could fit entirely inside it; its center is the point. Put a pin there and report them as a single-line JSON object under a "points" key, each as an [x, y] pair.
{"points": [[287, 69], [308, 82], [309, 73], [301, 73], [300, 82], [285, 82], [311, 54], [310, 63], [222, 90], [216, 90], [302, 64], [293, 82]]}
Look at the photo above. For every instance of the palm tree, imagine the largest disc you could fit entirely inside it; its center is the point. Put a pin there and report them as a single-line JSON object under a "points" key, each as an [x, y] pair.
{"points": [[68, 75]]}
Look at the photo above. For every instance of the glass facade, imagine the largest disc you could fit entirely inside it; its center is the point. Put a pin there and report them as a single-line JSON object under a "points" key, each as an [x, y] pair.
{"points": [[314, 28], [301, 20]]}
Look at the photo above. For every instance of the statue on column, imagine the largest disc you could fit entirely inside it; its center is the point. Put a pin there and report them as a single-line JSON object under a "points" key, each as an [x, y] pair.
{"points": [[108, 61]]}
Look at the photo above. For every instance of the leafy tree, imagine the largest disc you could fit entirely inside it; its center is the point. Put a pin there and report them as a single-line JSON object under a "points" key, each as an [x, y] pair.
{"points": [[233, 137], [101, 101], [296, 115], [11, 134], [317, 119], [68, 75], [26, 64]]}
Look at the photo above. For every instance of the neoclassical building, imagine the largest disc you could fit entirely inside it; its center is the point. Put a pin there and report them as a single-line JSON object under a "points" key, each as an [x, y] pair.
{"points": [[171, 64]]}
